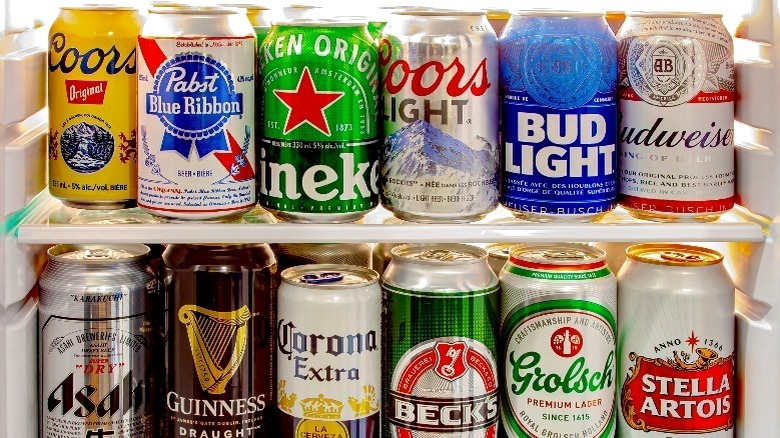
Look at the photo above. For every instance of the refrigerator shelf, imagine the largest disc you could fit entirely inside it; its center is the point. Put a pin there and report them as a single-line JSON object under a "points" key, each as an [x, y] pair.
{"points": [[51, 222]]}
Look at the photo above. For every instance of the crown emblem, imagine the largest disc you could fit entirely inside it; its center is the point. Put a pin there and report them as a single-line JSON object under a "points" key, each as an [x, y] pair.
{"points": [[321, 407], [286, 402], [367, 405]]}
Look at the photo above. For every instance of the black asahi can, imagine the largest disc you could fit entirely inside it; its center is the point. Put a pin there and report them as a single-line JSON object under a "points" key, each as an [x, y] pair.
{"points": [[220, 339]]}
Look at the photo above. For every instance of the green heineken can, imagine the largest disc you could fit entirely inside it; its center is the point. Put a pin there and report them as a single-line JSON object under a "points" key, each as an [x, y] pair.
{"points": [[319, 146], [441, 333]]}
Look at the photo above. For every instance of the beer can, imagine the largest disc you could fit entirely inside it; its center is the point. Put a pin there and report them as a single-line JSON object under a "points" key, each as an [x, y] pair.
{"points": [[440, 158], [92, 116], [676, 95], [558, 82], [295, 254], [259, 17], [558, 330], [676, 361], [97, 339], [220, 335], [329, 352], [196, 114], [498, 255], [441, 332], [318, 152]]}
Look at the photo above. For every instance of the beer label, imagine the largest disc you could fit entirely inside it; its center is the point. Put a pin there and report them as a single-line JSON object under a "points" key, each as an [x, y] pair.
{"points": [[440, 155], [559, 112], [92, 118], [676, 129], [318, 151], [196, 121], [96, 376]]}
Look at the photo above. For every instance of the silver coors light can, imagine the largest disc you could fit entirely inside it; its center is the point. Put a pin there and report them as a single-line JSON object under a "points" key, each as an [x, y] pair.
{"points": [[676, 360], [440, 159], [329, 352], [96, 341], [558, 329]]}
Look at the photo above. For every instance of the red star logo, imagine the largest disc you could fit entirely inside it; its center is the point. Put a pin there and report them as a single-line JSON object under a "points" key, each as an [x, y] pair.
{"points": [[693, 341], [307, 105]]}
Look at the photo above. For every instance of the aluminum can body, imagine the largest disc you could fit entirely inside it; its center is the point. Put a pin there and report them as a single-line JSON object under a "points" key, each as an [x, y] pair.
{"points": [[329, 352], [440, 158], [92, 117], [441, 331], [220, 334], [676, 360], [196, 114], [319, 147], [97, 340], [558, 83], [558, 331], [295, 254], [676, 130]]}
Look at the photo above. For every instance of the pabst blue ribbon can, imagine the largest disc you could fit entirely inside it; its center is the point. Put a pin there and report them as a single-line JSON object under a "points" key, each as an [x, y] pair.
{"points": [[440, 88], [676, 361], [558, 82], [196, 114], [676, 127]]}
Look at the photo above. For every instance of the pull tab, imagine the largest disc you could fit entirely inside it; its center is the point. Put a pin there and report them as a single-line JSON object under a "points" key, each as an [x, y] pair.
{"points": [[444, 255], [676, 256], [564, 255], [98, 254], [324, 277]]}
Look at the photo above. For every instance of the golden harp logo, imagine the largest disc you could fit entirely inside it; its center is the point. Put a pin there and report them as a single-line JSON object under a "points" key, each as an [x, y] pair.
{"points": [[211, 335]]}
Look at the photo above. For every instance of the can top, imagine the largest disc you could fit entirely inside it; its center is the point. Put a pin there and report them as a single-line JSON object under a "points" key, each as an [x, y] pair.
{"points": [[439, 254], [98, 254], [322, 22], [324, 276], [99, 7], [668, 254], [247, 6], [559, 13], [672, 14], [500, 250], [439, 12], [196, 10], [558, 253]]}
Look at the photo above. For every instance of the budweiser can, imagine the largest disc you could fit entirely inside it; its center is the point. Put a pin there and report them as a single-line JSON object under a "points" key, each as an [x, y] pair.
{"points": [[96, 343], [196, 114], [329, 352], [219, 341], [676, 360], [558, 329], [441, 308], [676, 125], [295, 254], [440, 87]]}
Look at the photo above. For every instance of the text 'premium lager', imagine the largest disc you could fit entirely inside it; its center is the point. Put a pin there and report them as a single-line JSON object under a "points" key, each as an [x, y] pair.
{"points": [[318, 155]]}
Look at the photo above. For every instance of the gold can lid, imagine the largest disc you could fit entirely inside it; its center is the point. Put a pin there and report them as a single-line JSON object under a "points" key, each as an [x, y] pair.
{"points": [[669, 254], [115, 7]]}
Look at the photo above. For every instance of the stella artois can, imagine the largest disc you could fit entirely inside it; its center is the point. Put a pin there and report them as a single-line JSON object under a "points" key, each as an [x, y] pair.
{"points": [[676, 128], [676, 362], [329, 352], [92, 117], [558, 329], [196, 114], [441, 332], [440, 88]]}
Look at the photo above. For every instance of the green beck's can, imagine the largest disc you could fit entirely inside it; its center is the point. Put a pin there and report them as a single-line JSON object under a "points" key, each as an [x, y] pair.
{"points": [[318, 155]]}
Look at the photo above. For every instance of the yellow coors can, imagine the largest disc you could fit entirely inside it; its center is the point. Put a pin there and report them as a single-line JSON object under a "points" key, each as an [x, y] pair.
{"points": [[92, 106]]}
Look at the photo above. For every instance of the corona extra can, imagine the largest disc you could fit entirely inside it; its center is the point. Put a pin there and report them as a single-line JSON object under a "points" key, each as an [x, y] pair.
{"points": [[558, 330], [441, 332], [676, 133], [329, 352], [676, 362], [196, 114], [97, 340], [440, 88], [92, 117]]}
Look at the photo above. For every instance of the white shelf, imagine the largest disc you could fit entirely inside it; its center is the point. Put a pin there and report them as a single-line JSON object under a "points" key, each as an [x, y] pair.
{"points": [[49, 223]]}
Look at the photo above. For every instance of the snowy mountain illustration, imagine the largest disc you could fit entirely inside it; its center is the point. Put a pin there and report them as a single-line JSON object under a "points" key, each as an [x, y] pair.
{"points": [[86, 148]]}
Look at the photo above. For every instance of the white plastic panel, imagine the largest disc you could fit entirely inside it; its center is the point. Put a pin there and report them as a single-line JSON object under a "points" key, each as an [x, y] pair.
{"points": [[754, 78], [23, 75], [23, 163], [19, 370]]}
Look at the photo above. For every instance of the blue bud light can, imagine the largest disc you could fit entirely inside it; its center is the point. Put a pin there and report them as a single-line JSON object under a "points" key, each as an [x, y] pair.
{"points": [[558, 81]]}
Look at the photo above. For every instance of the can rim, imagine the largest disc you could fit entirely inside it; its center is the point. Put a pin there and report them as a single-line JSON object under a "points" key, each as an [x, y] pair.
{"points": [[672, 14], [641, 253], [440, 13], [598, 254], [563, 13], [195, 10], [321, 22], [247, 6], [99, 7], [55, 253], [402, 252], [289, 274]]}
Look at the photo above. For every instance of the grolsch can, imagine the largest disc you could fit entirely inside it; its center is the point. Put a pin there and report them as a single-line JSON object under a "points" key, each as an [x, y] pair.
{"points": [[558, 82], [295, 254], [558, 331], [196, 114], [441, 332], [440, 155], [219, 340], [329, 352], [676, 362], [92, 115], [319, 147], [97, 340], [676, 91]]}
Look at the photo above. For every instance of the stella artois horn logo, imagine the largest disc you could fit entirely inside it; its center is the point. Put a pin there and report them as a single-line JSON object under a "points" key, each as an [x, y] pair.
{"points": [[451, 360]]}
